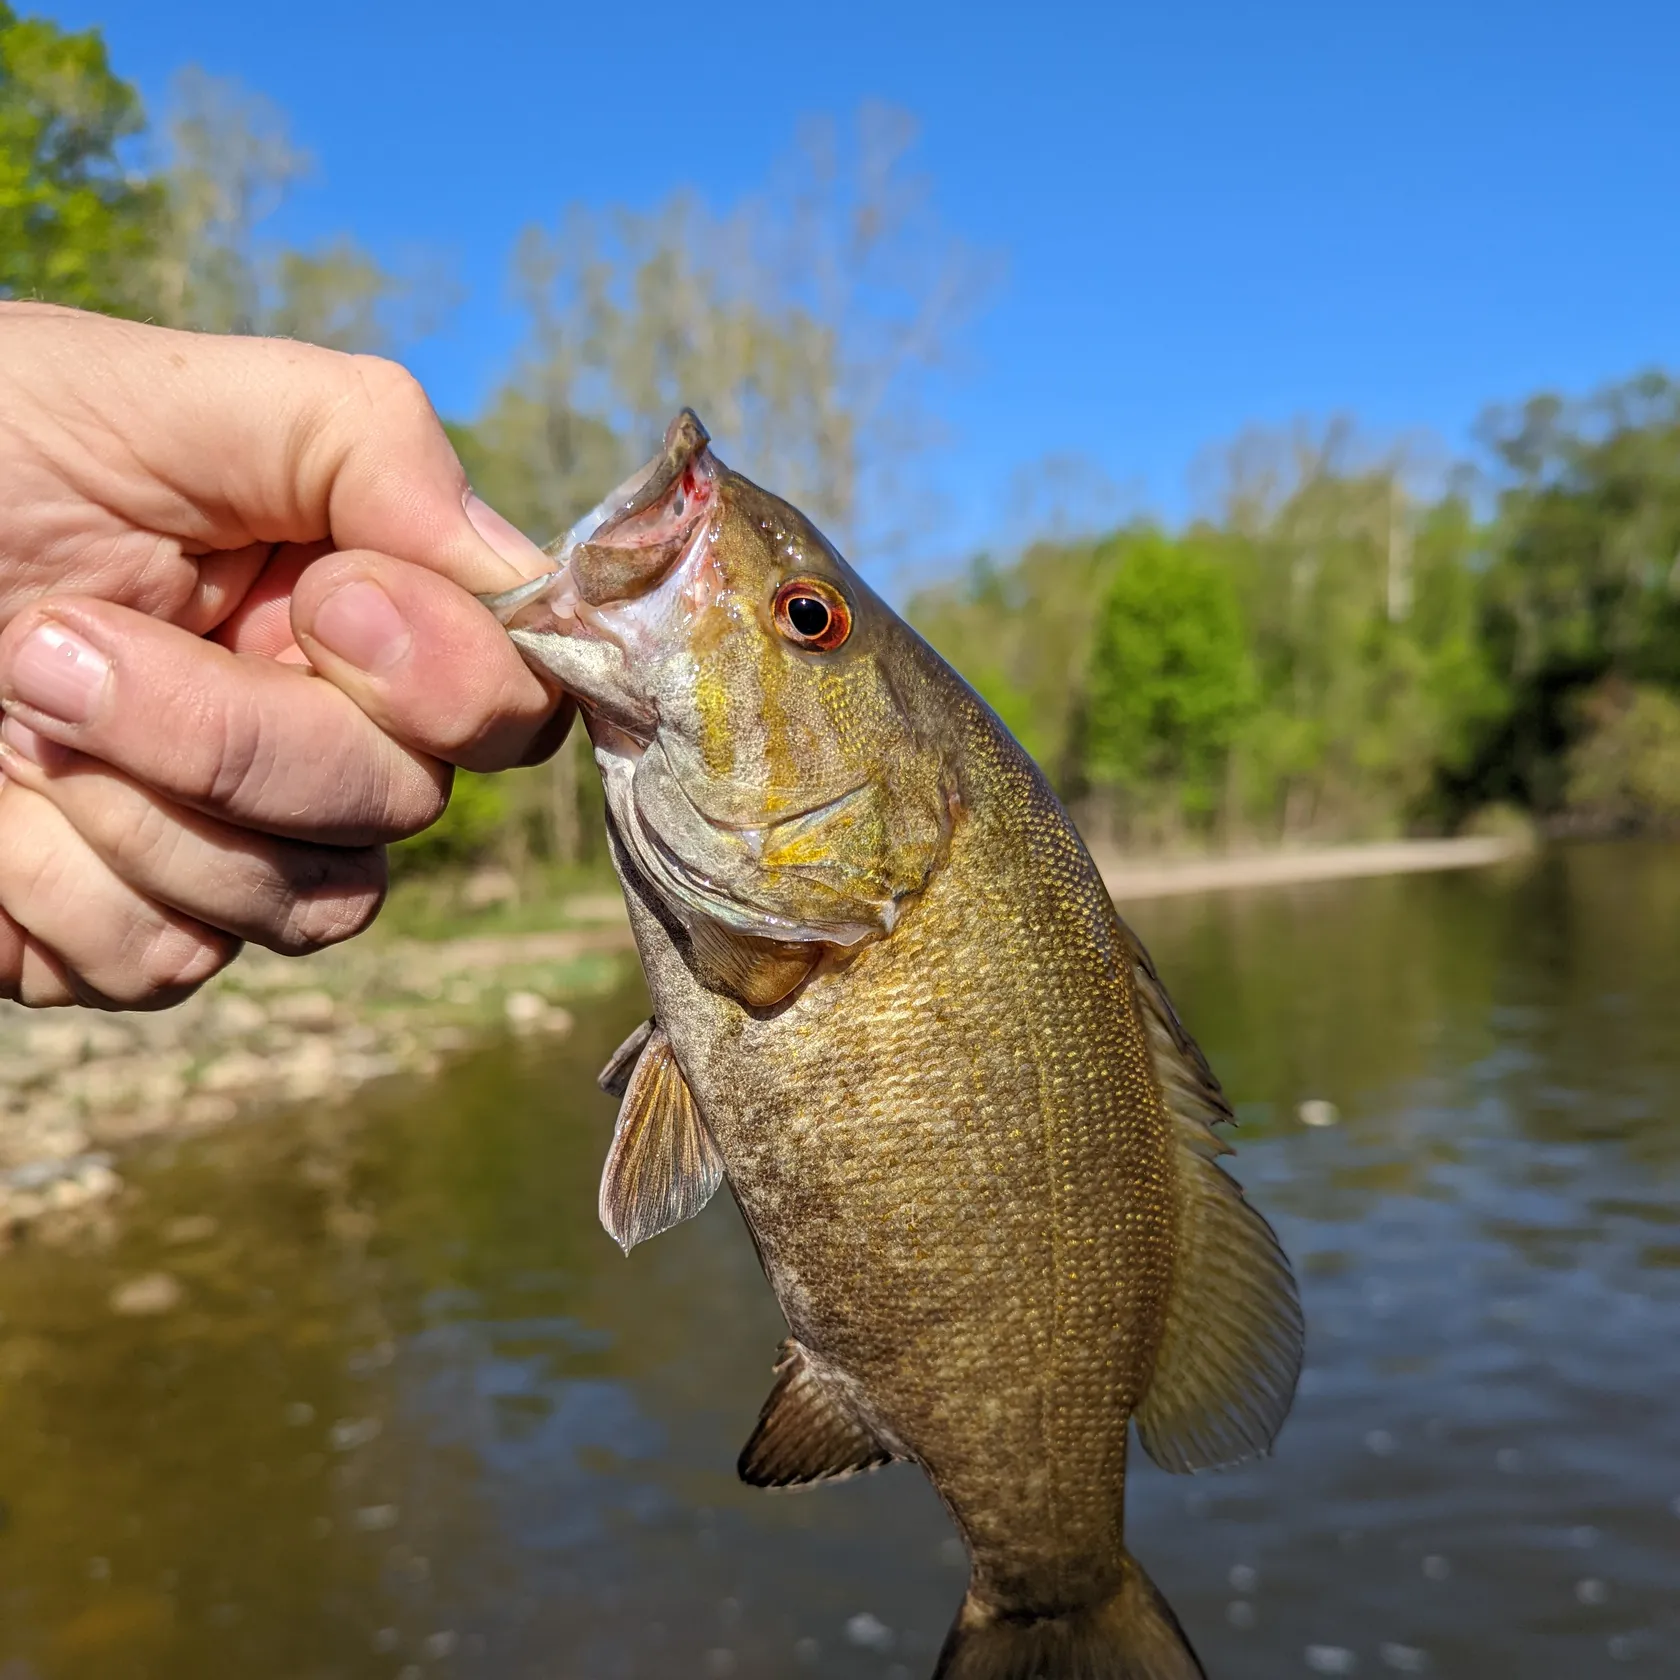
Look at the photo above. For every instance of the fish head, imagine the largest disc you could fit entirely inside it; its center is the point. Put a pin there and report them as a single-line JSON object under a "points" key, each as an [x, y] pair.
{"points": [[762, 767]]}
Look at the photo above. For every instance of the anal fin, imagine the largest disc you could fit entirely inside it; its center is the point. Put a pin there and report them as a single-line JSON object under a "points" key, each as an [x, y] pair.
{"points": [[808, 1430], [663, 1166], [1231, 1348]]}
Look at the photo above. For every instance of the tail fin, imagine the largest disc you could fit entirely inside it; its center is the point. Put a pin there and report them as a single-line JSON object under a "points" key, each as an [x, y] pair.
{"points": [[1132, 1636]]}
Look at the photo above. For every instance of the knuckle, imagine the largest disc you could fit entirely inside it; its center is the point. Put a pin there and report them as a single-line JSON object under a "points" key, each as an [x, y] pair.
{"points": [[172, 961], [461, 733], [413, 800], [389, 385], [337, 909], [148, 840], [240, 762]]}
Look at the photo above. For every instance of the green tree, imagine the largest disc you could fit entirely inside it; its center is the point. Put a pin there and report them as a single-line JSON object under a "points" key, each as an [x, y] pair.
{"points": [[1021, 634], [1624, 769], [1170, 682], [76, 225], [1585, 579]]}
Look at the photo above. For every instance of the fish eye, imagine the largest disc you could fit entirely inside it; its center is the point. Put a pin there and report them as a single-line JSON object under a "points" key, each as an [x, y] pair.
{"points": [[813, 614]]}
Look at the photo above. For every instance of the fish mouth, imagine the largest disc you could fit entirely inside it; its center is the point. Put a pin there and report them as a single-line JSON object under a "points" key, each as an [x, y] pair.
{"points": [[630, 543]]}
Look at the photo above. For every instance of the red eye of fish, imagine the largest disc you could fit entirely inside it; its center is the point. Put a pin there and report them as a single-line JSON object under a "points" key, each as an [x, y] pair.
{"points": [[813, 614]]}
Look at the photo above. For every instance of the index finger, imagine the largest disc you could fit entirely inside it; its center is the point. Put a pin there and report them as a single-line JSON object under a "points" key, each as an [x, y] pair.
{"points": [[245, 739]]}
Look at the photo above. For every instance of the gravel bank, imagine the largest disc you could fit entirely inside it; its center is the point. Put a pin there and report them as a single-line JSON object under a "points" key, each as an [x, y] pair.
{"points": [[77, 1086]]}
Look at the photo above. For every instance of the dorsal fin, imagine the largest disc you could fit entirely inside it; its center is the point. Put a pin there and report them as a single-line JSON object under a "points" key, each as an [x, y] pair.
{"points": [[663, 1165], [1230, 1352], [808, 1430], [760, 972]]}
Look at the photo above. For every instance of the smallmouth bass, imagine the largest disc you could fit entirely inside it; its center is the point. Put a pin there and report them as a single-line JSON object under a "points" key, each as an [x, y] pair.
{"points": [[896, 1009]]}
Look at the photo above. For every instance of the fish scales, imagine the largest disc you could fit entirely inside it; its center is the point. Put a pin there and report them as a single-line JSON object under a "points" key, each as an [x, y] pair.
{"points": [[963, 1124]]}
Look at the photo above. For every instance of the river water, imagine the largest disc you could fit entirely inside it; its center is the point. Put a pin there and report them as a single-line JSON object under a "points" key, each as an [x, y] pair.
{"points": [[415, 1415]]}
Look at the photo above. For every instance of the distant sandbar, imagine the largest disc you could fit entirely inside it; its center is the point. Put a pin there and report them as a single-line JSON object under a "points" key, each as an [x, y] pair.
{"points": [[1128, 881]]}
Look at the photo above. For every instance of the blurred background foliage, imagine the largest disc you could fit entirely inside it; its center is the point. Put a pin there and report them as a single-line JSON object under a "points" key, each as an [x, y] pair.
{"points": [[1347, 642]]}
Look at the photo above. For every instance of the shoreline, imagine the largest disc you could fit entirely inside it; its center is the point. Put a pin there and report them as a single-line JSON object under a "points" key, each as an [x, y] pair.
{"points": [[79, 1086], [1165, 879]]}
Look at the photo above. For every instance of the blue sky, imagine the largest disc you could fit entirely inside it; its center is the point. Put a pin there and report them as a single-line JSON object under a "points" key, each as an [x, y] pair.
{"points": [[1212, 214]]}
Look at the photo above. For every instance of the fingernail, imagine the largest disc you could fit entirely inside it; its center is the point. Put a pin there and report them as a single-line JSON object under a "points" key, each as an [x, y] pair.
{"points": [[508, 540], [360, 623], [58, 674], [23, 740]]}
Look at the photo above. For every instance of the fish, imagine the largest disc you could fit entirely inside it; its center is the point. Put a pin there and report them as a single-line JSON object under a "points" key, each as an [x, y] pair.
{"points": [[895, 1009]]}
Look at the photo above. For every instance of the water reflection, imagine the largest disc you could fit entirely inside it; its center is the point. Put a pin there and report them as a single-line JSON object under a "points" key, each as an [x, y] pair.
{"points": [[415, 1415]]}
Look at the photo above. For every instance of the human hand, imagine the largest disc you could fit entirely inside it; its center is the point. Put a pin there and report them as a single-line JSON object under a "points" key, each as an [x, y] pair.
{"points": [[190, 522]]}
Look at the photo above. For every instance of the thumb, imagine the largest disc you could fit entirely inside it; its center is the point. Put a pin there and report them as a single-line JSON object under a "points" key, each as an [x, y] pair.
{"points": [[226, 444]]}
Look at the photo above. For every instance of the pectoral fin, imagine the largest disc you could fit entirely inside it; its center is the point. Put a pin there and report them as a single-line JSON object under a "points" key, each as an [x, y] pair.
{"points": [[663, 1166], [1231, 1350], [760, 972], [808, 1431]]}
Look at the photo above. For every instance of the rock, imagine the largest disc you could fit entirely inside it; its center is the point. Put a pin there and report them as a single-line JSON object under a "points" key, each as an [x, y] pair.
{"points": [[1404, 1659], [190, 1228], [238, 1016], [361, 1068], [96, 1178], [145, 1297], [310, 1069], [1331, 1659], [62, 1043], [375, 1519], [18, 1071], [869, 1631], [205, 1108], [105, 1037], [239, 1070], [311, 1011], [349, 1433], [524, 1010], [1316, 1112], [47, 1131]]}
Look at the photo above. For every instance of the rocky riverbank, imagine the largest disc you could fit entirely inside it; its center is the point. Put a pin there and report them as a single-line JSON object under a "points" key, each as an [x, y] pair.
{"points": [[78, 1086]]}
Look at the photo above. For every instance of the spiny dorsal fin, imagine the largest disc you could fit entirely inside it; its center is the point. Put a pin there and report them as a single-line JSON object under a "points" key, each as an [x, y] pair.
{"points": [[614, 1078], [1231, 1348], [760, 972], [662, 1166], [808, 1431]]}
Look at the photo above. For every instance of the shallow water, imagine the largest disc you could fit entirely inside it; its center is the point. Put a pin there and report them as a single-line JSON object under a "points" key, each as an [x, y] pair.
{"points": [[416, 1415]]}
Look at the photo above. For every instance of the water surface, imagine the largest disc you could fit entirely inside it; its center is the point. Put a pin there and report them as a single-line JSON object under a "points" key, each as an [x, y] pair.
{"points": [[415, 1414]]}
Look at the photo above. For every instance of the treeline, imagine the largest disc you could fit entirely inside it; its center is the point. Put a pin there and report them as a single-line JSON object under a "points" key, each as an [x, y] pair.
{"points": [[1328, 655], [1335, 650]]}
